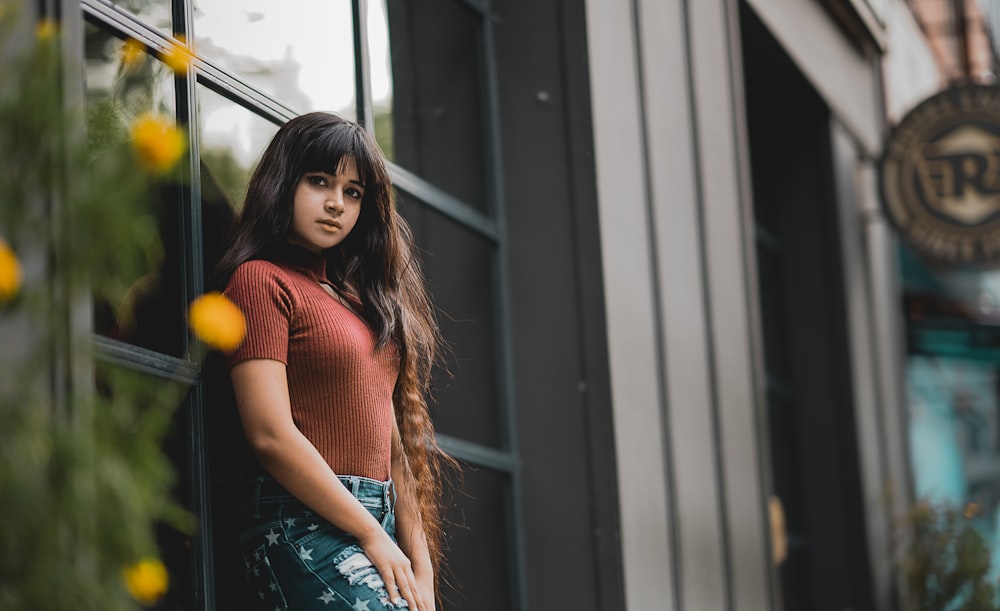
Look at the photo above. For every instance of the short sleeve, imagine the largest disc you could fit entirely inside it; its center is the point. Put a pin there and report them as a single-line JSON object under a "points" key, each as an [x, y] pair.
{"points": [[261, 291]]}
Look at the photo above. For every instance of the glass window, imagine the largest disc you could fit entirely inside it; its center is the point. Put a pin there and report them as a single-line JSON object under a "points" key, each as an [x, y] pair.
{"points": [[301, 52], [953, 390], [150, 312], [770, 271], [459, 268], [479, 543], [232, 139], [427, 90], [428, 82], [137, 389], [153, 12]]}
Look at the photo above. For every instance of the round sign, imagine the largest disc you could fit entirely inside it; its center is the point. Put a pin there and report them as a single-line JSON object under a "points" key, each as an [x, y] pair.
{"points": [[940, 175]]}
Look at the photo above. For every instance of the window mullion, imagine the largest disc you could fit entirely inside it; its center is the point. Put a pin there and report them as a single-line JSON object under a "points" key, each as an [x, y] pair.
{"points": [[192, 262], [362, 66]]}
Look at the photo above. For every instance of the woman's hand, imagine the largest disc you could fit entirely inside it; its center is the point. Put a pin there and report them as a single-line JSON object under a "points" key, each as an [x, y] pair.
{"points": [[395, 569]]}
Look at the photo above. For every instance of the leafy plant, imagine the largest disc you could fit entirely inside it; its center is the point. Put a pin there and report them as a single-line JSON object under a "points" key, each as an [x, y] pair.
{"points": [[946, 563], [84, 483]]}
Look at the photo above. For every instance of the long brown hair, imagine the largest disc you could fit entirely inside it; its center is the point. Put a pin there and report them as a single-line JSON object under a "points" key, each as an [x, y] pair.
{"points": [[377, 260]]}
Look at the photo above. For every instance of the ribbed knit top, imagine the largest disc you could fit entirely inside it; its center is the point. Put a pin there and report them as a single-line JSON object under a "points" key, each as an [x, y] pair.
{"points": [[339, 386]]}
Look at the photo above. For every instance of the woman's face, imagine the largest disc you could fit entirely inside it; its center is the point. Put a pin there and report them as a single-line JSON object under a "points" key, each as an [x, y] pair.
{"points": [[326, 207]]}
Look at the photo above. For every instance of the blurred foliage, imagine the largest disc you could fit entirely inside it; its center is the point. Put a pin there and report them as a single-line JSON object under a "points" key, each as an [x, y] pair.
{"points": [[946, 563], [228, 176], [83, 480], [384, 133]]}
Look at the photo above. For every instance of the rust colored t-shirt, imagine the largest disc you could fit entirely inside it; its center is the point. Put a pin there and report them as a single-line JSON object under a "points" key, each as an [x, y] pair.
{"points": [[339, 385]]}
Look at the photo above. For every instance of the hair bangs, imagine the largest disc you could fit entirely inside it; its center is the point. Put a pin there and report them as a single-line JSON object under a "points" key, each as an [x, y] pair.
{"points": [[330, 149]]}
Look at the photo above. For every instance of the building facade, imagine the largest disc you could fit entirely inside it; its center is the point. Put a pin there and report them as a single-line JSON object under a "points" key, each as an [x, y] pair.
{"points": [[654, 231], [747, 261]]}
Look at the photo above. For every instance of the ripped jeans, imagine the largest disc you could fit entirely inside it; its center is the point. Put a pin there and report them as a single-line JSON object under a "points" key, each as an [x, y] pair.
{"points": [[296, 560]]}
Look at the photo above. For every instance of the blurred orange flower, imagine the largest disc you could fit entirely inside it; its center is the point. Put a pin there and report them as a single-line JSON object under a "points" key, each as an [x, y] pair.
{"points": [[157, 143], [146, 580], [10, 272], [217, 321], [133, 52], [178, 56], [46, 29]]}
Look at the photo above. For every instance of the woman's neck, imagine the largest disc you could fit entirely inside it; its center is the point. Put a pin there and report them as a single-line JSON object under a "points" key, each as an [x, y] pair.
{"points": [[311, 263]]}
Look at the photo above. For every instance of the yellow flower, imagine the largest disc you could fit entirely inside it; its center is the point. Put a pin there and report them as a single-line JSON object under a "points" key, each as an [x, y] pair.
{"points": [[971, 510], [10, 273], [133, 52], [217, 321], [178, 56], [146, 580], [157, 144], [46, 30]]}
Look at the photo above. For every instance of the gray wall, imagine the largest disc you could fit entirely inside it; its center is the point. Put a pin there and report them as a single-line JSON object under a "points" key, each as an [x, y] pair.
{"points": [[684, 338], [571, 549], [681, 311]]}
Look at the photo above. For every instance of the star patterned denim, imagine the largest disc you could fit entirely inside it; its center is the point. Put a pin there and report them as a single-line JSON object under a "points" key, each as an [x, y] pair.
{"points": [[295, 560]]}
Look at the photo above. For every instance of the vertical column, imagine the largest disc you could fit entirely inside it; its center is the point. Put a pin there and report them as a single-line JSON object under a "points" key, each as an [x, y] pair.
{"points": [[630, 297], [888, 346], [870, 422], [730, 270], [676, 199]]}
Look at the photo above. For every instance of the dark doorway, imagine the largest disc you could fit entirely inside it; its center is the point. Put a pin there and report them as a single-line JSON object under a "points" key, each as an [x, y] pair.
{"points": [[813, 449]]}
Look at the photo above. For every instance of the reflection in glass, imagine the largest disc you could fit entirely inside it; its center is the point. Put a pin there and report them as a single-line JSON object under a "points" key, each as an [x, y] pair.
{"points": [[232, 139], [301, 52], [380, 79], [427, 89], [154, 12], [173, 546], [459, 268], [478, 543], [953, 390], [770, 272], [150, 313]]}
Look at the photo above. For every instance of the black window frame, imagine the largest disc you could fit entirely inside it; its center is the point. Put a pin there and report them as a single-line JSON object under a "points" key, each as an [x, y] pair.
{"points": [[489, 226]]}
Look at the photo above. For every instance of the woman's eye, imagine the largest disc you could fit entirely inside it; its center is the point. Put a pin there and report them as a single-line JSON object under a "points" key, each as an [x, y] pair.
{"points": [[356, 194], [319, 181]]}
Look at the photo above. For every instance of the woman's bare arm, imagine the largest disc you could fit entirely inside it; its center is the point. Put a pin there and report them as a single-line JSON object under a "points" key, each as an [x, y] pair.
{"points": [[261, 388]]}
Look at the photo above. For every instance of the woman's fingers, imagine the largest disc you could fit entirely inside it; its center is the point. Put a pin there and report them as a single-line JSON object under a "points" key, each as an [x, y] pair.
{"points": [[417, 599], [407, 591], [396, 572]]}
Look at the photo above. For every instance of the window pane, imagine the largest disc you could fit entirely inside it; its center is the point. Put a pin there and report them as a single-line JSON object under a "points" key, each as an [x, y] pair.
{"points": [[952, 376], [770, 270], [477, 554], [232, 139], [459, 268], [132, 388], [154, 12], [150, 313], [298, 51], [427, 87]]}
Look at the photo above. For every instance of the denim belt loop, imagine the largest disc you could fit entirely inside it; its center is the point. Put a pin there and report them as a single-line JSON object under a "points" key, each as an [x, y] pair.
{"points": [[257, 484], [355, 484]]}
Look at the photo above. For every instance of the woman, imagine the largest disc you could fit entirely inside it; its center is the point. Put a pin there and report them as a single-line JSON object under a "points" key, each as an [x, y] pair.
{"points": [[330, 381]]}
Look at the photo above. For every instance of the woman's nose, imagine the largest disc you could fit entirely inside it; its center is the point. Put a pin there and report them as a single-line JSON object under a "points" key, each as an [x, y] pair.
{"points": [[335, 202]]}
